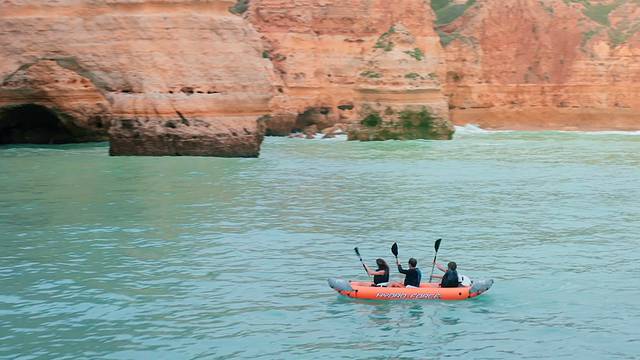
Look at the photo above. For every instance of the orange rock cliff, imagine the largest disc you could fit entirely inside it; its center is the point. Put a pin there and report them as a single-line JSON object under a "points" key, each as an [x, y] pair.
{"points": [[186, 77], [544, 64], [175, 77], [342, 61]]}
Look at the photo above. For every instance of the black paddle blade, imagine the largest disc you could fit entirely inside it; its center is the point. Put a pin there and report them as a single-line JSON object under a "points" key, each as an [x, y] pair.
{"points": [[437, 244], [357, 251], [394, 249]]}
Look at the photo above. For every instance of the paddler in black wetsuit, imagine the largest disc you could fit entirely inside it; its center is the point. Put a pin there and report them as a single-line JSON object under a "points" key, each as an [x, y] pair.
{"points": [[450, 278], [381, 275], [412, 274]]}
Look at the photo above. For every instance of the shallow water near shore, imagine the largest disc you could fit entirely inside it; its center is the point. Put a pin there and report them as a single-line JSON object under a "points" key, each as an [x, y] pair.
{"points": [[179, 257]]}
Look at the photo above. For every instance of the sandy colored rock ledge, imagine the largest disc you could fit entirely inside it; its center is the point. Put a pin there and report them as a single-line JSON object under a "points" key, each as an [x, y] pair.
{"points": [[181, 136]]}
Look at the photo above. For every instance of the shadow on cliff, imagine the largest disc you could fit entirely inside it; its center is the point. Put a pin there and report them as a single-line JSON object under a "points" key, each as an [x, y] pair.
{"points": [[34, 124]]}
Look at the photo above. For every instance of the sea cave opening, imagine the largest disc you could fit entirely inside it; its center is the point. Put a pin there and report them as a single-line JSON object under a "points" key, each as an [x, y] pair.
{"points": [[32, 124]]}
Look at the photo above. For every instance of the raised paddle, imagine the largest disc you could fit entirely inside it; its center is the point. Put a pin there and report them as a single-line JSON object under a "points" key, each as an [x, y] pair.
{"points": [[437, 246], [394, 250], [360, 257]]}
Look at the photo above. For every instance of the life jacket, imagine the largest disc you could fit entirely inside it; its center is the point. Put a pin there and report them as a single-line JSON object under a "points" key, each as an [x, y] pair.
{"points": [[377, 279], [450, 279]]}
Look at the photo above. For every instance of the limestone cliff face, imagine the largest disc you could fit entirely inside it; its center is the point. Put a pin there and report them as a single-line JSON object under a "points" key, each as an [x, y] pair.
{"points": [[163, 78], [187, 77], [550, 64], [341, 61], [52, 101]]}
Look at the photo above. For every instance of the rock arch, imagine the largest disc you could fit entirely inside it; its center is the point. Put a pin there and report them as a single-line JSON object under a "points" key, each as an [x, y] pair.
{"points": [[50, 102]]}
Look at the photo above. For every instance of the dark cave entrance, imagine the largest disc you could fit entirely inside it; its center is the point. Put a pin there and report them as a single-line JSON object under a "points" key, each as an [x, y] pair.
{"points": [[32, 124]]}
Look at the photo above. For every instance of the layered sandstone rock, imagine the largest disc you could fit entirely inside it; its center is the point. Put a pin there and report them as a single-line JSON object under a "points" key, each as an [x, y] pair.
{"points": [[341, 61], [164, 78], [551, 64], [187, 77], [52, 101]]}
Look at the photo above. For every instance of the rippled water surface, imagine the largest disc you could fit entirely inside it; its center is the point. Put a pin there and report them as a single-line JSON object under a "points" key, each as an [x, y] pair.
{"points": [[178, 258]]}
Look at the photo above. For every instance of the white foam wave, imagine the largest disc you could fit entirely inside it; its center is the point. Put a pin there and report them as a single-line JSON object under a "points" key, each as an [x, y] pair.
{"points": [[604, 132], [337, 137], [317, 136], [475, 129]]}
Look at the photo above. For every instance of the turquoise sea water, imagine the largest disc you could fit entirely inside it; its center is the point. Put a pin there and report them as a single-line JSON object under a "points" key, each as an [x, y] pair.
{"points": [[183, 258]]}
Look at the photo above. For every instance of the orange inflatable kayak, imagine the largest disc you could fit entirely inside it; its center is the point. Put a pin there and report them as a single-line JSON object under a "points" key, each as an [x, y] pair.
{"points": [[426, 291]]}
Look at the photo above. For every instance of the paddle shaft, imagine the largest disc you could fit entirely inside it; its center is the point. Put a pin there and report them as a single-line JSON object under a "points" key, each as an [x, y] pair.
{"points": [[433, 266], [437, 247], [362, 262], [364, 266]]}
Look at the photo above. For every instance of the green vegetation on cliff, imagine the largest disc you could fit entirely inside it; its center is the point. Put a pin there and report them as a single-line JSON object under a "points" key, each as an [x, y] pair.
{"points": [[372, 120], [597, 12], [240, 7], [412, 76], [600, 12], [384, 41], [587, 36], [623, 32], [447, 38], [416, 76], [447, 11], [415, 53], [371, 74], [583, 2], [408, 124], [421, 121]]}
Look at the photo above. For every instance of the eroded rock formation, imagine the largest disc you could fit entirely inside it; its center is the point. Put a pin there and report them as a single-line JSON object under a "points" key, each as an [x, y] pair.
{"points": [[52, 101], [342, 61], [162, 78], [186, 77]]}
